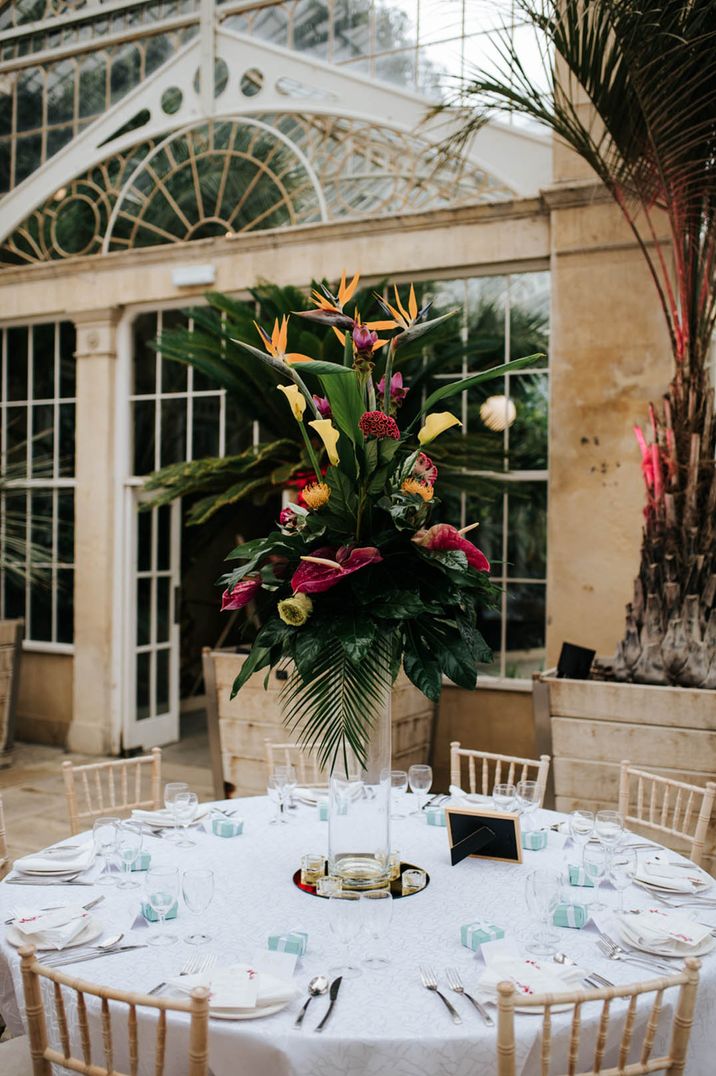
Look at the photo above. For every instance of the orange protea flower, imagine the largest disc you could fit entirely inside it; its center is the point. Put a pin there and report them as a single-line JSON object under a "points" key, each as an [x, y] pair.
{"points": [[414, 485], [277, 342], [316, 495]]}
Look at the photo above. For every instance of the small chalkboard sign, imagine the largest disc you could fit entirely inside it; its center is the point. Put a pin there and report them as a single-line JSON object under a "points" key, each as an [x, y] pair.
{"points": [[484, 834]]}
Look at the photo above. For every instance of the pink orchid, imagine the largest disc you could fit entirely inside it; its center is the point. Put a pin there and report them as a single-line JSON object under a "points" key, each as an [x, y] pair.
{"points": [[397, 391], [241, 594], [444, 536], [313, 578]]}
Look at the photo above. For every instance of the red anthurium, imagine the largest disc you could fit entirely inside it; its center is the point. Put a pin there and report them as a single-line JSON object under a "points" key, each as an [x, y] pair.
{"points": [[328, 566], [444, 536], [241, 594]]}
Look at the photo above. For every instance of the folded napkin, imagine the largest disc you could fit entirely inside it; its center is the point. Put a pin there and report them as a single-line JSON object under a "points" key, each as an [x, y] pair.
{"points": [[458, 793], [657, 870], [530, 976], [59, 861], [238, 987], [166, 818], [663, 928], [54, 929], [310, 796]]}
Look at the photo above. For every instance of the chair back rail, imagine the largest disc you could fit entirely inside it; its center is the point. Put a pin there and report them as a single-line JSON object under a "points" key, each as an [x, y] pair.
{"points": [[3, 841], [485, 769], [44, 1056], [120, 785], [669, 806], [290, 754], [673, 1063]]}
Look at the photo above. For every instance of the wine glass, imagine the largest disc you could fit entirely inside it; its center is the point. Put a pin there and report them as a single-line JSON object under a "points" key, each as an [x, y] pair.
{"points": [[129, 846], [543, 889], [345, 923], [197, 888], [527, 794], [581, 828], [161, 889], [622, 869], [377, 912], [186, 805], [171, 790], [291, 785], [609, 829], [420, 779], [503, 797], [104, 835], [276, 790], [596, 864], [398, 788]]}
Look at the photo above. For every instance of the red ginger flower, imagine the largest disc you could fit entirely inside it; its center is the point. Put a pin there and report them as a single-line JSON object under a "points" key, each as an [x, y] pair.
{"points": [[444, 536], [377, 424], [241, 594], [313, 578]]}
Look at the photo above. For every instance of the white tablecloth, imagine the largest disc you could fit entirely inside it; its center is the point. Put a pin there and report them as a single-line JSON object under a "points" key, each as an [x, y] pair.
{"points": [[384, 1021]]}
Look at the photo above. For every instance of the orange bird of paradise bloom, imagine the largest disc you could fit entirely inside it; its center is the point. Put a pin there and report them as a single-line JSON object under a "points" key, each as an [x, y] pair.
{"points": [[336, 303], [404, 318], [277, 343]]}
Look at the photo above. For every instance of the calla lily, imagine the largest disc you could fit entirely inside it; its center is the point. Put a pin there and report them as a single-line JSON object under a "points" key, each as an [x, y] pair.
{"points": [[295, 398], [329, 435], [435, 424]]}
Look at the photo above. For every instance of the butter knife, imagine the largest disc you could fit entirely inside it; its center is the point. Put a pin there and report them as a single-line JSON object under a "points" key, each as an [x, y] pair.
{"points": [[333, 994]]}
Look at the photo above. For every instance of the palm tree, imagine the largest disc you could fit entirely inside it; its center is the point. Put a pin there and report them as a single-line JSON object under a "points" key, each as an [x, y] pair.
{"points": [[647, 71]]}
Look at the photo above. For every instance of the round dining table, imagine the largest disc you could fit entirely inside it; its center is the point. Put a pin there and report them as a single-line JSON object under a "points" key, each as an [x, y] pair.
{"points": [[384, 1020]]}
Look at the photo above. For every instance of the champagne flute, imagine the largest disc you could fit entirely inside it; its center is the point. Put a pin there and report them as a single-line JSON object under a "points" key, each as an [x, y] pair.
{"points": [[527, 794], [197, 887], [596, 865], [622, 869], [345, 923], [377, 912], [104, 835], [161, 890], [609, 829], [171, 790], [129, 847], [543, 889], [186, 805], [420, 779], [581, 828], [398, 788], [276, 789]]}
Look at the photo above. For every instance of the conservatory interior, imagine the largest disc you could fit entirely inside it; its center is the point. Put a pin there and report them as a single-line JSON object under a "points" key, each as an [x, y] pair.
{"points": [[357, 504]]}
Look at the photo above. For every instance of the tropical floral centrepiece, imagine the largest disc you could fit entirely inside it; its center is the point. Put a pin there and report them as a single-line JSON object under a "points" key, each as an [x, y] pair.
{"points": [[359, 576]]}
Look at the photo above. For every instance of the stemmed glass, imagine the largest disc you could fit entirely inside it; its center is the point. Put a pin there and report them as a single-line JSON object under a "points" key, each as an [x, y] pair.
{"points": [[171, 790], [186, 805], [398, 788], [596, 865], [527, 794], [291, 785], [377, 912], [129, 846], [276, 789], [503, 797], [197, 888], [609, 829], [581, 828], [543, 890], [104, 835], [161, 889], [420, 779], [345, 923], [622, 869]]}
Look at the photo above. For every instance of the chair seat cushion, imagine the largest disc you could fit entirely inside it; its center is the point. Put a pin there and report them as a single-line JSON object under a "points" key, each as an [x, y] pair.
{"points": [[15, 1057]]}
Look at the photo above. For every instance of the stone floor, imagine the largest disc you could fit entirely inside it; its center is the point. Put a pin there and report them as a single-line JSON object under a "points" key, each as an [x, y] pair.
{"points": [[32, 788]]}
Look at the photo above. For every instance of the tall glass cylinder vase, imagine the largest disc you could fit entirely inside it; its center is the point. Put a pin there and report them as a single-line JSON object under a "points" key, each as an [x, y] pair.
{"points": [[359, 808]]}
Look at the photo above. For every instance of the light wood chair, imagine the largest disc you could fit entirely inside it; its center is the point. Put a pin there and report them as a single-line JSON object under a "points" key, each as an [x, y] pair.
{"points": [[672, 807], [673, 1063], [44, 1056], [290, 754], [3, 842], [113, 787], [504, 768]]}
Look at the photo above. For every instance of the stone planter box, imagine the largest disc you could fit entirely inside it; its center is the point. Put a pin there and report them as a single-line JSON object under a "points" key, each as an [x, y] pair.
{"points": [[238, 727], [594, 725]]}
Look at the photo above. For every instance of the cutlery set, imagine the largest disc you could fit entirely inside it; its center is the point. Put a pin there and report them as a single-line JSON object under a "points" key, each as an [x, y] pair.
{"points": [[317, 987], [613, 951], [195, 965]]}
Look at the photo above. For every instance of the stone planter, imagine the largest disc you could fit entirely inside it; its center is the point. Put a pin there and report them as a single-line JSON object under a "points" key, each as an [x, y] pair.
{"points": [[595, 724], [238, 727]]}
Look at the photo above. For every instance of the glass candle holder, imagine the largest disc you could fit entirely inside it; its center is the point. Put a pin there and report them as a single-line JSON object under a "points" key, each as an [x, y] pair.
{"points": [[329, 885], [414, 880], [313, 867], [394, 866]]}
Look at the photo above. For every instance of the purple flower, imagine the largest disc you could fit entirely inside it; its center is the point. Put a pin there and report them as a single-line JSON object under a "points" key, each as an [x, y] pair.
{"points": [[364, 339], [324, 408], [397, 392]]}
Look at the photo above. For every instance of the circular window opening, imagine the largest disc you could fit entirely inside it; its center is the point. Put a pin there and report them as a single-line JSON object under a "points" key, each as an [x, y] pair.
{"points": [[76, 225], [252, 82], [171, 100], [221, 77]]}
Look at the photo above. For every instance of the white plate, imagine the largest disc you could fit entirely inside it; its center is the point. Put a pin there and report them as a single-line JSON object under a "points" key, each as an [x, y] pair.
{"points": [[92, 930], [702, 887], [253, 1014], [667, 949]]}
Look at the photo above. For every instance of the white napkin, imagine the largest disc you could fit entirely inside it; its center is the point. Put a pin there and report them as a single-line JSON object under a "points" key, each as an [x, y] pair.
{"points": [[54, 929], [239, 987], [531, 975], [657, 926], [310, 796], [458, 793], [58, 861], [163, 817], [657, 870]]}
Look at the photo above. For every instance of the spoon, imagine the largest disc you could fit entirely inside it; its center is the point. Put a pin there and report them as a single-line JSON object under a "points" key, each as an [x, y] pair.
{"points": [[316, 987], [599, 980]]}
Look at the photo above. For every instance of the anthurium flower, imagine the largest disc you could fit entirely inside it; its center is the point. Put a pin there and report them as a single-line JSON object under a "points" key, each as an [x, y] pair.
{"points": [[296, 610], [295, 398], [240, 595], [444, 536], [435, 424], [327, 566], [329, 435], [277, 342]]}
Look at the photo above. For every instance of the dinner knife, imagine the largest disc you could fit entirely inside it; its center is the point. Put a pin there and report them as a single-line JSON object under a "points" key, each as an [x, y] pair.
{"points": [[27, 881], [333, 994], [92, 956]]}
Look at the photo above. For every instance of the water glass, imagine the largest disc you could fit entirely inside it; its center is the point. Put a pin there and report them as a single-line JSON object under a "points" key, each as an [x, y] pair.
{"points": [[345, 923], [104, 835], [527, 794], [420, 779], [543, 889], [377, 911], [398, 788], [161, 889], [596, 865], [197, 888], [172, 789], [622, 869], [581, 828], [185, 807], [504, 797], [129, 847]]}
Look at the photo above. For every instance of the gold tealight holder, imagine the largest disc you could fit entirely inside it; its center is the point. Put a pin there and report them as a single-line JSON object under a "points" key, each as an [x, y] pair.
{"points": [[313, 868], [414, 881]]}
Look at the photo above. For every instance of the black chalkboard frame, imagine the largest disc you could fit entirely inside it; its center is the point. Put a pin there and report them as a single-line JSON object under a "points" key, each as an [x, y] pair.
{"points": [[508, 827]]}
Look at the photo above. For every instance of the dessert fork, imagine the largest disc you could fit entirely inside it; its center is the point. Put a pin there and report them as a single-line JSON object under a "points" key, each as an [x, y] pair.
{"points": [[430, 983]]}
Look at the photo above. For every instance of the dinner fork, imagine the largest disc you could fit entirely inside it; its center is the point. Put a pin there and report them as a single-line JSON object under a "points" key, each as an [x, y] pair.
{"points": [[195, 965], [615, 952], [455, 983], [430, 983]]}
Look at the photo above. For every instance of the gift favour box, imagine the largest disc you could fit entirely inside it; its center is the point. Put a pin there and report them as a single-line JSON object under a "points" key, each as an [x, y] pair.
{"points": [[435, 816], [151, 916], [570, 915], [294, 941], [474, 934], [142, 862], [323, 809], [534, 839], [578, 876], [227, 827]]}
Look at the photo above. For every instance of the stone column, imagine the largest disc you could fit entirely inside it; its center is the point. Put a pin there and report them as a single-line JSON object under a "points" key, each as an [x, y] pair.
{"points": [[91, 730]]}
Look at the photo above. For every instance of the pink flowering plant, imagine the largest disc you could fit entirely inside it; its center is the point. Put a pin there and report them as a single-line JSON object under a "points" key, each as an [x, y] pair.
{"points": [[359, 577]]}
